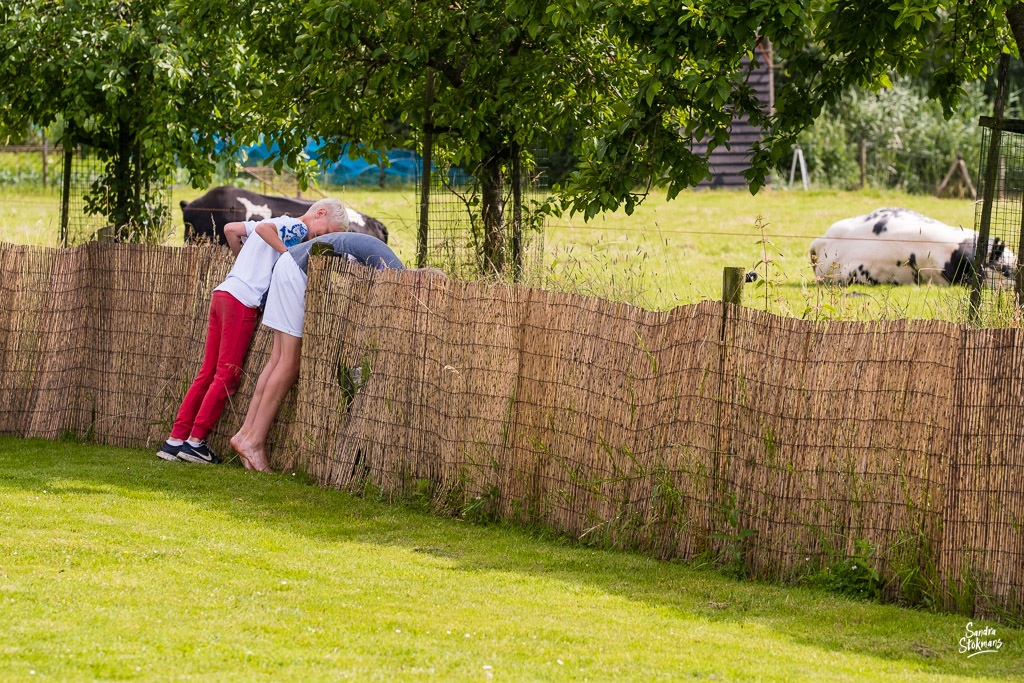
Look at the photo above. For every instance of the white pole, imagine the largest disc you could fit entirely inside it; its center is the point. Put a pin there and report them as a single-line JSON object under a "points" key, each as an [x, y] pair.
{"points": [[803, 169]]}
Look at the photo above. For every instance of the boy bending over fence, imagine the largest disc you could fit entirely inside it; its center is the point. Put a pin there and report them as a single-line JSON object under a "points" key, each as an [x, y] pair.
{"points": [[235, 305], [286, 308]]}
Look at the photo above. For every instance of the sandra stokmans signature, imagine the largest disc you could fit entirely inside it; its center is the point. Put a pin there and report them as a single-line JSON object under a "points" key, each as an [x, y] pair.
{"points": [[979, 642]]}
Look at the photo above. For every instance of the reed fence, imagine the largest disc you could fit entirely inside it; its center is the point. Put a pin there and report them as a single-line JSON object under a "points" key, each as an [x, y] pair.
{"points": [[781, 445]]}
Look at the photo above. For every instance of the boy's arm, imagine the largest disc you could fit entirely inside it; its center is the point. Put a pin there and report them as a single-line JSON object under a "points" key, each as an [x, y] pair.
{"points": [[268, 231], [233, 233]]}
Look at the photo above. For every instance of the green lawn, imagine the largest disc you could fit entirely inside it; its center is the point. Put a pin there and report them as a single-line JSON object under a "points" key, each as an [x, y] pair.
{"points": [[665, 254], [117, 565]]}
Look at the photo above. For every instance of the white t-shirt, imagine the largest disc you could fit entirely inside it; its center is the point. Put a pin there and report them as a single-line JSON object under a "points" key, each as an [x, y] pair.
{"points": [[250, 277]]}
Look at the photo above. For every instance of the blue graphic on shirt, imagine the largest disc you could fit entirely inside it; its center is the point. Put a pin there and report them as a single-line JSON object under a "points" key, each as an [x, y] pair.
{"points": [[293, 233]]}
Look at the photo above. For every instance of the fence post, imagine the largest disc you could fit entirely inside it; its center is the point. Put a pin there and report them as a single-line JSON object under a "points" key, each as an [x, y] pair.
{"points": [[65, 198], [517, 213], [863, 163], [428, 153], [990, 179], [732, 285], [732, 293], [798, 158], [45, 150]]}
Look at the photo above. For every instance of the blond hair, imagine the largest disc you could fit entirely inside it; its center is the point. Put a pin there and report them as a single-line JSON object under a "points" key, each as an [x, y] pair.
{"points": [[337, 213]]}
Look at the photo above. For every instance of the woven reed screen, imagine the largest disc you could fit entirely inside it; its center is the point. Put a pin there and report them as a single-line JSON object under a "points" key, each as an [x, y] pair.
{"points": [[676, 433]]}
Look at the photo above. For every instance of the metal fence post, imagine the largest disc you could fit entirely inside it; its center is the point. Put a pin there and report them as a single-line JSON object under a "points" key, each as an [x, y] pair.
{"points": [[991, 176], [428, 153], [65, 198], [45, 164]]}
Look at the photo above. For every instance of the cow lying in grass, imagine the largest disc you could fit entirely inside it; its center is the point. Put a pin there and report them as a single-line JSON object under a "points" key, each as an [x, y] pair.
{"points": [[206, 216], [903, 247]]}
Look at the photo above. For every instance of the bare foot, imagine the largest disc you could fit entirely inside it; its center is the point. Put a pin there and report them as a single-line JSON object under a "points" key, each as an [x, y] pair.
{"points": [[258, 460], [252, 455], [243, 449]]}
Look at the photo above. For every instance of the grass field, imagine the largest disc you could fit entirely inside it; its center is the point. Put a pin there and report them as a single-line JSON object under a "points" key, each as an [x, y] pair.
{"points": [[117, 565], [665, 254]]}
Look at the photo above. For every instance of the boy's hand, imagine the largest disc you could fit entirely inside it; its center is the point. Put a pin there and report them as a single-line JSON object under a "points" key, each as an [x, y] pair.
{"points": [[268, 231]]}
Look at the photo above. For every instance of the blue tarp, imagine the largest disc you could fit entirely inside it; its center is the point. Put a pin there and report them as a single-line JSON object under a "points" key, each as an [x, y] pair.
{"points": [[403, 165]]}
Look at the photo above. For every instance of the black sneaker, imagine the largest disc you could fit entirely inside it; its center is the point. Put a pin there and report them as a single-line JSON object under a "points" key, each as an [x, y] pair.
{"points": [[200, 454], [169, 452]]}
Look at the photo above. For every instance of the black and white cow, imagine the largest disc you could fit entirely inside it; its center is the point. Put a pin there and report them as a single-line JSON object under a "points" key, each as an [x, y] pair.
{"points": [[903, 247], [206, 216]]}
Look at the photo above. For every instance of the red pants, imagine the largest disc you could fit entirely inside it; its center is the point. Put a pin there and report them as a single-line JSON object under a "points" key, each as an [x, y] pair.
{"points": [[227, 341]]}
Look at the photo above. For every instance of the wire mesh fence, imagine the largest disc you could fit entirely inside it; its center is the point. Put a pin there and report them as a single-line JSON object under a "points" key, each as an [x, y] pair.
{"points": [[32, 179], [86, 169], [1000, 212], [778, 445], [455, 239]]}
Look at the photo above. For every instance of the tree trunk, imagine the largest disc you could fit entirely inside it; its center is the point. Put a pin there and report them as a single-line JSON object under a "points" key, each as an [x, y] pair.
{"points": [[493, 215], [135, 212], [1015, 17], [517, 213], [120, 213]]}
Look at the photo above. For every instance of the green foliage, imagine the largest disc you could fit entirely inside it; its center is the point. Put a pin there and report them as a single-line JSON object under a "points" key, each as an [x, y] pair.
{"points": [[735, 544], [913, 560], [420, 495], [910, 145], [482, 509], [628, 86], [501, 78], [854, 576], [690, 81], [133, 85], [369, 61]]}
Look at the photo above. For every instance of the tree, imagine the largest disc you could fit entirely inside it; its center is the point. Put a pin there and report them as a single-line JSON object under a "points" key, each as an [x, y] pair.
{"points": [[637, 82], [905, 140], [505, 79], [634, 84], [692, 53], [127, 80]]}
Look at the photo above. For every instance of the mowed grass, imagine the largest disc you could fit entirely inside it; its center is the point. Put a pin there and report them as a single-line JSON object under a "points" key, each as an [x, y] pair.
{"points": [[117, 565], [664, 255]]}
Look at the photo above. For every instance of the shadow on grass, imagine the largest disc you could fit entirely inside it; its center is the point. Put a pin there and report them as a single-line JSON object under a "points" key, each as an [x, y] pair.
{"points": [[284, 503]]}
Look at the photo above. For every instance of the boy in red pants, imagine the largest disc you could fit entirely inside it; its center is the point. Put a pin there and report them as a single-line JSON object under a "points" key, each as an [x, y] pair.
{"points": [[234, 309]]}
